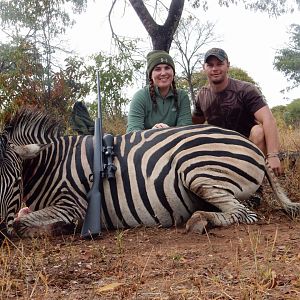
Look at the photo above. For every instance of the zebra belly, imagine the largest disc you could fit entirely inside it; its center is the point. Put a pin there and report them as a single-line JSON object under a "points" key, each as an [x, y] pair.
{"points": [[150, 204]]}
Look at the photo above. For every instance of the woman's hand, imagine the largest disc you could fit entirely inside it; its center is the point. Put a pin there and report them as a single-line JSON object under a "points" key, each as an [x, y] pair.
{"points": [[160, 125]]}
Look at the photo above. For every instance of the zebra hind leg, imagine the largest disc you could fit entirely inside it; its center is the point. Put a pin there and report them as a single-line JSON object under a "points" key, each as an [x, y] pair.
{"points": [[231, 211], [50, 221]]}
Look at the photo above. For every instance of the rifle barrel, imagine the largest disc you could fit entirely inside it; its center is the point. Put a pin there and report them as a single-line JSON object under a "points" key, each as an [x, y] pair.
{"points": [[92, 222]]}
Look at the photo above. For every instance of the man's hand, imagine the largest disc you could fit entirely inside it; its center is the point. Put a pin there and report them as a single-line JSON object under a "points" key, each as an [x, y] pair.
{"points": [[275, 164]]}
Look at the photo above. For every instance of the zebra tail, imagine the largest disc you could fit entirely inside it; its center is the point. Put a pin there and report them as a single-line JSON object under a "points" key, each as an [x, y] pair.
{"points": [[291, 208]]}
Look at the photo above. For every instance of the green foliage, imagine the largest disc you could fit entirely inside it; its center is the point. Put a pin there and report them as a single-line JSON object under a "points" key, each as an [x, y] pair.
{"points": [[22, 83], [288, 115], [27, 75], [33, 27], [77, 73], [20, 76], [292, 115], [34, 15], [240, 74], [116, 74], [288, 59], [279, 113], [272, 7], [199, 79]]}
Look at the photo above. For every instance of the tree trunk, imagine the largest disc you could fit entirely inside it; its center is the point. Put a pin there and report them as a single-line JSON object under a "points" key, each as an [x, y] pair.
{"points": [[161, 35]]}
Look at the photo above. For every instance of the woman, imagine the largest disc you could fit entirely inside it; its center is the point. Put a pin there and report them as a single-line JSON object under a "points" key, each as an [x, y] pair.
{"points": [[159, 104]]}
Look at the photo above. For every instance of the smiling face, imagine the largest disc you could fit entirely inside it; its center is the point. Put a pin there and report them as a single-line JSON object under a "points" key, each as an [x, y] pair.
{"points": [[162, 76], [216, 70]]}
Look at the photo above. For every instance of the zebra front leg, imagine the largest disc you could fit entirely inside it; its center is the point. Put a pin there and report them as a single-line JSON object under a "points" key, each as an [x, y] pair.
{"points": [[51, 221], [231, 211]]}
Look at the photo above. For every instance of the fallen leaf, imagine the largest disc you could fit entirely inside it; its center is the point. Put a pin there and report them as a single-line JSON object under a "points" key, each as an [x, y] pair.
{"points": [[108, 287]]}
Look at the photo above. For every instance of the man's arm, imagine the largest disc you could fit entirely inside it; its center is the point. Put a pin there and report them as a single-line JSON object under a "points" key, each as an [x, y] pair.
{"points": [[265, 117], [197, 113]]}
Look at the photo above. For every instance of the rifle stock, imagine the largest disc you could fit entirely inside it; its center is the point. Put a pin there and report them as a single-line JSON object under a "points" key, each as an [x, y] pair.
{"points": [[92, 221]]}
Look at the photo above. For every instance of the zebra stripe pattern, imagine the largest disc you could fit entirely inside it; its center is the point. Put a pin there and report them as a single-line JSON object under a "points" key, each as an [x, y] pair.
{"points": [[197, 174]]}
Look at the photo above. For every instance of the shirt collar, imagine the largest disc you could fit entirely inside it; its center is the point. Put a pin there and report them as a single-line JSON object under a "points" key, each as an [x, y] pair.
{"points": [[170, 93], [229, 86]]}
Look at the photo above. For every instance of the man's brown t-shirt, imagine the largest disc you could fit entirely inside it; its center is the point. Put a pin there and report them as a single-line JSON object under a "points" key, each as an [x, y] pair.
{"points": [[233, 108]]}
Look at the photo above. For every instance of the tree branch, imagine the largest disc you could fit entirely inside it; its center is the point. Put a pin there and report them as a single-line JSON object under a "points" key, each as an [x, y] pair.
{"points": [[161, 35], [144, 15]]}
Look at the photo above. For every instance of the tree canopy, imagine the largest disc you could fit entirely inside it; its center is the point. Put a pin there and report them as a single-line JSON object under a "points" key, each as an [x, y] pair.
{"points": [[292, 115], [30, 73], [287, 60], [288, 115], [272, 7], [33, 30]]}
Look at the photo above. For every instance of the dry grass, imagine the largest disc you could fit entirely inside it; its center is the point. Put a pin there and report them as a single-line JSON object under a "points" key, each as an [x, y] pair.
{"points": [[240, 262], [115, 126], [290, 142], [289, 139], [260, 261]]}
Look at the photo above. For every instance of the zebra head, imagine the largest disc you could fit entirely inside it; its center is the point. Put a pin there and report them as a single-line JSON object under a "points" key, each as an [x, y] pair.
{"points": [[11, 168]]}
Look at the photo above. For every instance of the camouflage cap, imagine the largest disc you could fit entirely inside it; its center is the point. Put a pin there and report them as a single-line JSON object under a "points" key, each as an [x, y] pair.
{"points": [[217, 52]]}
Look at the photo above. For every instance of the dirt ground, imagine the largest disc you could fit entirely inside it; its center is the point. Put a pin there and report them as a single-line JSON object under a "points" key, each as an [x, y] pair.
{"points": [[260, 261]]}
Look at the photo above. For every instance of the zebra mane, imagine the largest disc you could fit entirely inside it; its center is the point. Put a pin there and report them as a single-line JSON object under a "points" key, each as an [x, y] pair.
{"points": [[3, 142], [31, 125]]}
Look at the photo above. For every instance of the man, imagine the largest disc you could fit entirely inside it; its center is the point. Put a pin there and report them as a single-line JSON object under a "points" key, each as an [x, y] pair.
{"points": [[236, 105]]}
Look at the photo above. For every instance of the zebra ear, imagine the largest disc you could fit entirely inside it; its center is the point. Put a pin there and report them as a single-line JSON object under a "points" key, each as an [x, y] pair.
{"points": [[29, 151]]}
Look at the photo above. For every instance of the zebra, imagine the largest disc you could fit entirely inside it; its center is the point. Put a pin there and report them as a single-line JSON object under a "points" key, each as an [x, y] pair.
{"points": [[198, 174]]}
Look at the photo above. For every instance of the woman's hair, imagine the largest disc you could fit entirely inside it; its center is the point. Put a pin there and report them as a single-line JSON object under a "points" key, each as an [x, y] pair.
{"points": [[153, 96]]}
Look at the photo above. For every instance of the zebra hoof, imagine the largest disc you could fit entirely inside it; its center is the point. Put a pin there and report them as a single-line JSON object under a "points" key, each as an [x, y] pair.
{"points": [[196, 224]]}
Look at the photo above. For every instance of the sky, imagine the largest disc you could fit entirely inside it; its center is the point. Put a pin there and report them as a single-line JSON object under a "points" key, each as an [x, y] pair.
{"points": [[250, 39]]}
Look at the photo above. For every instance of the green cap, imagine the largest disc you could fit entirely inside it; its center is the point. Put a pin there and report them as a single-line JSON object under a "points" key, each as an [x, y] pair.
{"points": [[157, 57], [217, 52]]}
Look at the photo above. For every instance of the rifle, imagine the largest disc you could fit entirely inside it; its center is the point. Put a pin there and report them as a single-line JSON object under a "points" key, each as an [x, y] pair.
{"points": [[92, 221]]}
